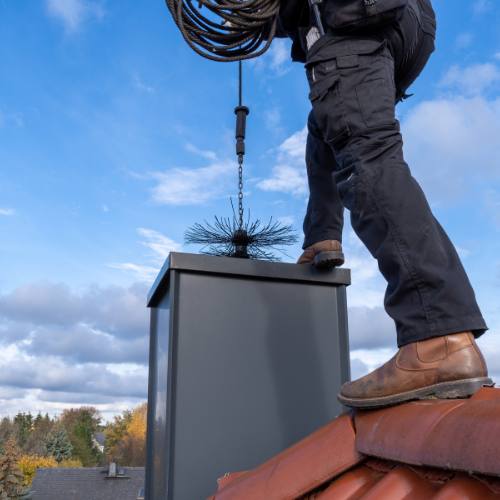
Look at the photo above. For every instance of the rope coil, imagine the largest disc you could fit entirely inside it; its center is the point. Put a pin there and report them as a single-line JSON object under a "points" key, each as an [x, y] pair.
{"points": [[233, 30]]}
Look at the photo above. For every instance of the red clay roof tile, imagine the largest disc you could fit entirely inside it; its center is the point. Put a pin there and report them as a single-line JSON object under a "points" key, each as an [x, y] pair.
{"points": [[401, 484], [458, 435], [465, 487], [352, 484], [321, 456]]}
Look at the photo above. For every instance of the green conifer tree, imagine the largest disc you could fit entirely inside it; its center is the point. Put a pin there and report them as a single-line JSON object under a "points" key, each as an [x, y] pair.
{"points": [[24, 426], [58, 445]]}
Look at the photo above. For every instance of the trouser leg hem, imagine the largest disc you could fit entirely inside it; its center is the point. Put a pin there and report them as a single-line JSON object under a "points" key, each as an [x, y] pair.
{"points": [[474, 324], [315, 238]]}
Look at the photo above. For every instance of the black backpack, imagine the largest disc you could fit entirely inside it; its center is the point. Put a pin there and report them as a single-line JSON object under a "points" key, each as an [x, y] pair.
{"points": [[351, 15]]}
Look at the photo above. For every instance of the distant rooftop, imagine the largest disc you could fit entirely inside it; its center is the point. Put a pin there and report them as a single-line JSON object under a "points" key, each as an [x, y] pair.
{"points": [[436, 449], [88, 483]]}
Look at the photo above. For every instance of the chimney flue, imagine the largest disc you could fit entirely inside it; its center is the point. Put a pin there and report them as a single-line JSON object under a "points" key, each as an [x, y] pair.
{"points": [[112, 469]]}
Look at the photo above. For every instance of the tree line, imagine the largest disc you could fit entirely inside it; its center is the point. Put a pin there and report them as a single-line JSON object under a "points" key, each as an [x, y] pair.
{"points": [[28, 442]]}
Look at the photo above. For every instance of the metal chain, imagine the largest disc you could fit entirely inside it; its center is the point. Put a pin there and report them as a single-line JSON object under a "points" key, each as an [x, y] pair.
{"points": [[241, 155], [240, 189]]}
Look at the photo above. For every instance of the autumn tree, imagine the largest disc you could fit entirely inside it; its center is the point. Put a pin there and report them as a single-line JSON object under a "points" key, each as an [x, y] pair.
{"points": [[29, 464], [126, 437], [115, 431], [11, 477]]}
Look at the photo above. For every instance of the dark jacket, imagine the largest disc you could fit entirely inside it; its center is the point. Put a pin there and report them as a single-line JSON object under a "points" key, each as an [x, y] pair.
{"points": [[339, 16], [293, 21]]}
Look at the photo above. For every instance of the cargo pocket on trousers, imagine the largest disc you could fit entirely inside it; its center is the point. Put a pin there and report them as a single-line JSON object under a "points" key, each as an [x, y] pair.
{"points": [[329, 110], [376, 99]]}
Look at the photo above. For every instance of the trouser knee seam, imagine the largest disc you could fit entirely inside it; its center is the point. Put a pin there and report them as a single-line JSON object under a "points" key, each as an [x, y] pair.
{"points": [[397, 242]]}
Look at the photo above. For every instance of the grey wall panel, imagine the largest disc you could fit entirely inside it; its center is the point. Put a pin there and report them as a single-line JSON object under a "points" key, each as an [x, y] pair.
{"points": [[157, 453]]}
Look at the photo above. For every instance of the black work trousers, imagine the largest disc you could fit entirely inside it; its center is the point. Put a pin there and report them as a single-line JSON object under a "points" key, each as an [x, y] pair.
{"points": [[354, 158]]}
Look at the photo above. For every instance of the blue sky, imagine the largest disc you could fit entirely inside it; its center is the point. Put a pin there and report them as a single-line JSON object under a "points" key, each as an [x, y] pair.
{"points": [[115, 137]]}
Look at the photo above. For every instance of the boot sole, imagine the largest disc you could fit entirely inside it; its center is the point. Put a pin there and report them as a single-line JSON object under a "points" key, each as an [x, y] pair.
{"points": [[458, 389], [328, 260]]}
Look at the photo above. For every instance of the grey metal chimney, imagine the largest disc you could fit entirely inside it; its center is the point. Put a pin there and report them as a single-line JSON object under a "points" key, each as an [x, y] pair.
{"points": [[246, 358]]}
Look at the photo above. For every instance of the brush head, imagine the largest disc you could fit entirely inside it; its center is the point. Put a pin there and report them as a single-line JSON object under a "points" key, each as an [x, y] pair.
{"points": [[252, 240]]}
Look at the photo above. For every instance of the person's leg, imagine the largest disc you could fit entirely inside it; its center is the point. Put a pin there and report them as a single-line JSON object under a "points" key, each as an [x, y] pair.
{"points": [[352, 92], [324, 217], [428, 294]]}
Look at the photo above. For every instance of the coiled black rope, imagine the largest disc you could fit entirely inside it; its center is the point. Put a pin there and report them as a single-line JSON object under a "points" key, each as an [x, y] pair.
{"points": [[231, 30]]}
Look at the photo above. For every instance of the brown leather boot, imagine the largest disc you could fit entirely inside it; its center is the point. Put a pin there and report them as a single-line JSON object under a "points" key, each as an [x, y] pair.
{"points": [[443, 367], [325, 254]]}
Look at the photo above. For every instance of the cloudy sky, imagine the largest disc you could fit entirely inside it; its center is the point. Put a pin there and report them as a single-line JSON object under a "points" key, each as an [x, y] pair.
{"points": [[115, 137]]}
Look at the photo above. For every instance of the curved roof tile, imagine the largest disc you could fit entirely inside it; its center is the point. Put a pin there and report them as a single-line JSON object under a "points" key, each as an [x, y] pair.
{"points": [[461, 435], [415, 451]]}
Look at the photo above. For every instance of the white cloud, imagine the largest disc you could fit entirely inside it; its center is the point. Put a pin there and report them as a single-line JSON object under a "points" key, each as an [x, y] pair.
{"points": [[160, 244], [289, 173], [453, 143], [276, 61], [368, 286], [358, 368], [119, 311], [279, 55], [62, 346], [146, 274], [366, 360], [471, 80], [370, 328], [19, 369], [193, 186], [203, 153], [73, 13], [273, 120], [7, 211], [286, 179]]}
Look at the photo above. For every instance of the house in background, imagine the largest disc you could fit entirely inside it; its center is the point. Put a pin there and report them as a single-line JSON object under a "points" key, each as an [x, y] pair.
{"points": [[99, 440], [89, 483]]}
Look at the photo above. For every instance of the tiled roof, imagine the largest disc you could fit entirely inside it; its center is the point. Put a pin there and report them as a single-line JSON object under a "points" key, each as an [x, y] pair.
{"points": [[86, 483], [435, 449]]}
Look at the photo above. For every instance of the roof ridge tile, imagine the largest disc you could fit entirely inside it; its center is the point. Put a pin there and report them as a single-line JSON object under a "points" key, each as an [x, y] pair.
{"points": [[450, 434]]}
